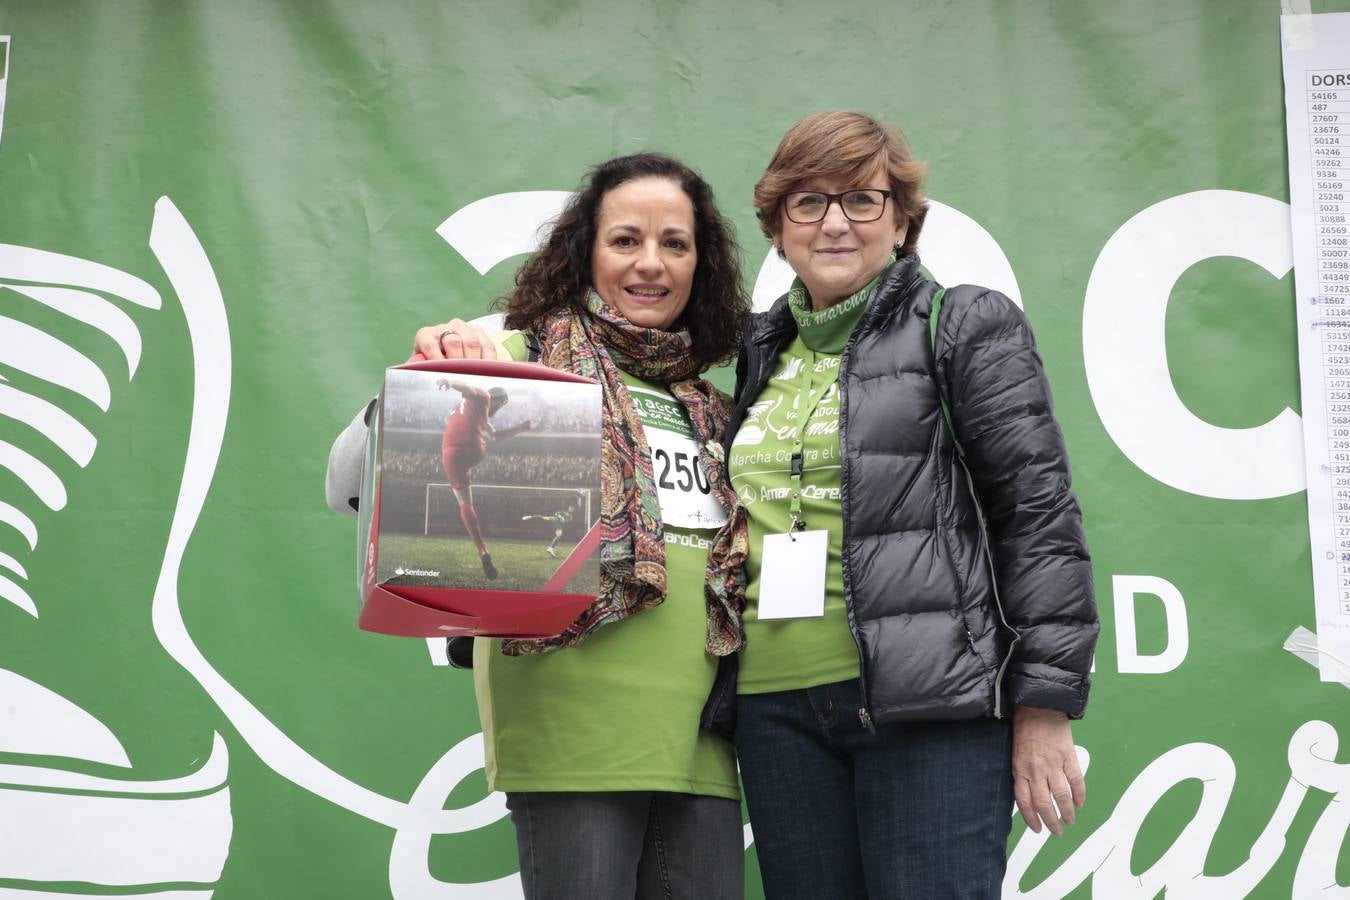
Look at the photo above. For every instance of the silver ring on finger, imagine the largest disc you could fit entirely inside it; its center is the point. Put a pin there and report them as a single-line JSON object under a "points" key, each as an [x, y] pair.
{"points": [[440, 337]]}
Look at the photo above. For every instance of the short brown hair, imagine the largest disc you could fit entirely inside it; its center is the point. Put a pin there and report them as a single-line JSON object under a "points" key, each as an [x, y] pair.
{"points": [[852, 147]]}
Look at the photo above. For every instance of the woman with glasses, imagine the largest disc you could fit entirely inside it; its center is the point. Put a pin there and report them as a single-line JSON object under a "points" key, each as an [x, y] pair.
{"points": [[920, 619]]}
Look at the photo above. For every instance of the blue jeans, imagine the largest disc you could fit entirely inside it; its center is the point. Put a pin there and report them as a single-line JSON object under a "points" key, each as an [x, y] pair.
{"points": [[622, 845], [916, 810]]}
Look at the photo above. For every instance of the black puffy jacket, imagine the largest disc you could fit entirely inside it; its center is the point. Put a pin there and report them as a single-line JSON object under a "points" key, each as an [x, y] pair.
{"points": [[958, 608]]}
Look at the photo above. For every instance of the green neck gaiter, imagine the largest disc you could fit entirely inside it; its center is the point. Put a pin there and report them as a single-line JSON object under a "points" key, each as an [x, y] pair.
{"points": [[828, 330]]}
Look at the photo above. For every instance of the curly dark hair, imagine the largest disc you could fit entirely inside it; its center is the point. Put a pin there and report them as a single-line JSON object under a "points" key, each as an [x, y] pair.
{"points": [[559, 272]]}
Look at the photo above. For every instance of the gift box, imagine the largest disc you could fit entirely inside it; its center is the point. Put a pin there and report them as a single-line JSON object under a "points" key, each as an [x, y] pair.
{"points": [[480, 501]]}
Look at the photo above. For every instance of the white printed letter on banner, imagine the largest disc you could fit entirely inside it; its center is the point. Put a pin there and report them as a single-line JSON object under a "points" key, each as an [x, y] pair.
{"points": [[1124, 590], [1125, 351]]}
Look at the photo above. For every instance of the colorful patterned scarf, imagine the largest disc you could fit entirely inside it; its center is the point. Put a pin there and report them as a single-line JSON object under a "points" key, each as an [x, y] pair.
{"points": [[598, 343]]}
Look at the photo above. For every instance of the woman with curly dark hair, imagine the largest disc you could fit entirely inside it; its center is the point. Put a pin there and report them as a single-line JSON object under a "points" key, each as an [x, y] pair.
{"points": [[594, 735], [560, 274]]}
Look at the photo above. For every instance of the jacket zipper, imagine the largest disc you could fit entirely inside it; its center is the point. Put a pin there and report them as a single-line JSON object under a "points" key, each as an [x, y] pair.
{"points": [[864, 715]]}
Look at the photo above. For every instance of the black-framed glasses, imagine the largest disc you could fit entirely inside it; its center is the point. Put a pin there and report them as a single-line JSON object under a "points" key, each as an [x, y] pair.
{"points": [[859, 205]]}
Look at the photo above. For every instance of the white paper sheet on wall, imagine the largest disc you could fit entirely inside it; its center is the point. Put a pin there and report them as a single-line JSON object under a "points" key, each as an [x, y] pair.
{"points": [[1316, 51], [4, 78]]}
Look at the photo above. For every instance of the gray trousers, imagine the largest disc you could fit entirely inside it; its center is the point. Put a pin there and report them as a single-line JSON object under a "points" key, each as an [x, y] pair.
{"points": [[628, 845]]}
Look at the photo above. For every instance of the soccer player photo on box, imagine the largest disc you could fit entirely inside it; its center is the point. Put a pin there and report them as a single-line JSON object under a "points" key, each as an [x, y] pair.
{"points": [[485, 482]]}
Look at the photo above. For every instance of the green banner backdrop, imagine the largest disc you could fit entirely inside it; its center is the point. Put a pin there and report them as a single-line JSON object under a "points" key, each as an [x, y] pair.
{"points": [[219, 221]]}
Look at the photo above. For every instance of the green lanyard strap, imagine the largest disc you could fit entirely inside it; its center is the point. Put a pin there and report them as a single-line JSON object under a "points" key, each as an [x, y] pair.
{"points": [[804, 412], [932, 340]]}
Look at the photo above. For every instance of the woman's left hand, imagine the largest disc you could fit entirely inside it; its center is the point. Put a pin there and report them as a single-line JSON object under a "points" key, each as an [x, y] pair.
{"points": [[1047, 782]]}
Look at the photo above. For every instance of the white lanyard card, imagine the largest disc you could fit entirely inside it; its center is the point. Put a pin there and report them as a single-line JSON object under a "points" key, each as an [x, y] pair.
{"points": [[792, 575]]}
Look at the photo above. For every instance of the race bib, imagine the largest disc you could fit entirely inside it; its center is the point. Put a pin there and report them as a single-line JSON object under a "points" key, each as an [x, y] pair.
{"points": [[686, 498]]}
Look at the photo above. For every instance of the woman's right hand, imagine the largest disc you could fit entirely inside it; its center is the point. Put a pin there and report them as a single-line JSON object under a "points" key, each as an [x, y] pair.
{"points": [[455, 339]]}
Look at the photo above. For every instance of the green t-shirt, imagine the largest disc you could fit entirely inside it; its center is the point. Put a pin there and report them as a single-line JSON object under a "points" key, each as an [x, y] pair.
{"points": [[620, 710], [789, 654]]}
